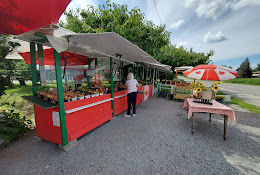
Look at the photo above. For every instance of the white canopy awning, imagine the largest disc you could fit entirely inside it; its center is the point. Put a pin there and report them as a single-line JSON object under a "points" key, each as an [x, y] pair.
{"points": [[93, 45], [162, 67], [113, 44], [182, 69]]}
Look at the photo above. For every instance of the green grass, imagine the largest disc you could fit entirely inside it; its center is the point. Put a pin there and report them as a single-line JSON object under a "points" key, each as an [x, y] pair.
{"points": [[22, 105], [220, 93], [246, 81], [242, 104]]}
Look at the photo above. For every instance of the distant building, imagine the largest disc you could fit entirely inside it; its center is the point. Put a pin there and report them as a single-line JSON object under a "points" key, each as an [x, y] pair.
{"points": [[256, 74]]}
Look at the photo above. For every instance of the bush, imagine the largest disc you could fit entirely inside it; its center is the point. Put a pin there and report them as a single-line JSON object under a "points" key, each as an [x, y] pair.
{"points": [[13, 124], [219, 98]]}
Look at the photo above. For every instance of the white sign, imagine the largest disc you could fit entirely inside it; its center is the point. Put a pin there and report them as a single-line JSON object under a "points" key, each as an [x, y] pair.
{"points": [[146, 89], [56, 118]]}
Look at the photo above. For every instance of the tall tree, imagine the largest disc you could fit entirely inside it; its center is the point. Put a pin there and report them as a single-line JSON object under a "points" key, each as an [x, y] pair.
{"points": [[245, 71], [112, 17], [6, 46], [130, 24], [177, 57], [257, 68]]}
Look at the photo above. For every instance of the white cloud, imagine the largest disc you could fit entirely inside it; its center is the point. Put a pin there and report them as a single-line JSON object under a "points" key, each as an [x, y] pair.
{"points": [[182, 43], [243, 3], [212, 9], [189, 3], [215, 9], [82, 4], [210, 38], [177, 24]]}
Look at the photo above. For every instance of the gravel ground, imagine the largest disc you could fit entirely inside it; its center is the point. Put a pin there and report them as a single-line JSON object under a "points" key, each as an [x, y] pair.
{"points": [[157, 141]]}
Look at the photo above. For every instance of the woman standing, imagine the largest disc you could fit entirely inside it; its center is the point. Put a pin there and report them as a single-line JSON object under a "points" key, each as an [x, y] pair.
{"points": [[131, 86]]}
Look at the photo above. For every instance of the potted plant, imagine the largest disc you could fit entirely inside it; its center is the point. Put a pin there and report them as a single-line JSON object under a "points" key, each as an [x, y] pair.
{"points": [[203, 91]]}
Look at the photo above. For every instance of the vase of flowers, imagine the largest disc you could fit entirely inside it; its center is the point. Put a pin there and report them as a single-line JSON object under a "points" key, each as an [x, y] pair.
{"points": [[203, 91]]}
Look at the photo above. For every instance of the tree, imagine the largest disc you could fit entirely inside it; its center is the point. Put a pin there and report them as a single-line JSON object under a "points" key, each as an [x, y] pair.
{"points": [[5, 47], [112, 17], [230, 67], [257, 68], [245, 71], [130, 24], [177, 57], [22, 71]]}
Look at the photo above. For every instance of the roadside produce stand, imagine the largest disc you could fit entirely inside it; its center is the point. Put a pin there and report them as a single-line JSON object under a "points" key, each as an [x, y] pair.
{"points": [[77, 111], [181, 86]]}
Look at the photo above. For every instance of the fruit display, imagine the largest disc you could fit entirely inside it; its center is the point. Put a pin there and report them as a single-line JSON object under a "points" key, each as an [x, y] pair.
{"points": [[183, 84], [69, 95]]}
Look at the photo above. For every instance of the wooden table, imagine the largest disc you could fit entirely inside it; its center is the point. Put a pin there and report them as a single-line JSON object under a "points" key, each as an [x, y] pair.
{"points": [[215, 108]]}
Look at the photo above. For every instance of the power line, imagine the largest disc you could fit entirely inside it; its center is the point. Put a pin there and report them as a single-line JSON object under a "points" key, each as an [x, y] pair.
{"points": [[157, 12]]}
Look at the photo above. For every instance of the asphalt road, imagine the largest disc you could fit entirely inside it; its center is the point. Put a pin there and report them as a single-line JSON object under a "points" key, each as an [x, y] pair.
{"points": [[247, 93]]}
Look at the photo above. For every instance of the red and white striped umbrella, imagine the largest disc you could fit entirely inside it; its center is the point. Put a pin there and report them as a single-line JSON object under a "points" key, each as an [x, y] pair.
{"points": [[211, 72]]}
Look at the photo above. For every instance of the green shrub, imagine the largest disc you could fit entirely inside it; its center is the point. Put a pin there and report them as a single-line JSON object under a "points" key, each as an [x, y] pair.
{"points": [[12, 123]]}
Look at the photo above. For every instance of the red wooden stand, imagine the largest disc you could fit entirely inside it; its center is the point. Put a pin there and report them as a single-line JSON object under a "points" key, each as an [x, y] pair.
{"points": [[80, 121]]}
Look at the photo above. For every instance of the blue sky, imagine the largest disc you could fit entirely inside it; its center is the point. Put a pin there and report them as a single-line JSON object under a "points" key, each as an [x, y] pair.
{"points": [[230, 27]]}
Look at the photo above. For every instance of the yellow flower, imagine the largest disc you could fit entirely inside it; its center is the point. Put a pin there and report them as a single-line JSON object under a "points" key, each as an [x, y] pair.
{"points": [[215, 88], [201, 84], [217, 82], [198, 90]]}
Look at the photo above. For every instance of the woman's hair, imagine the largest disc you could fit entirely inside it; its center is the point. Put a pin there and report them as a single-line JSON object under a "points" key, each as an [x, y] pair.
{"points": [[130, 76]]}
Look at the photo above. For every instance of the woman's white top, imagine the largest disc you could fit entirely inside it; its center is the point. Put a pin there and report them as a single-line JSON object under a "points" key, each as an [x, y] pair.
{"points": [[131, 86]]}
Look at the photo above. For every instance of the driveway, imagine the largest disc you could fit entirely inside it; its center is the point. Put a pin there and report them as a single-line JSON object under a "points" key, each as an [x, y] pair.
{"points": [[247, 93], [157, 141]]}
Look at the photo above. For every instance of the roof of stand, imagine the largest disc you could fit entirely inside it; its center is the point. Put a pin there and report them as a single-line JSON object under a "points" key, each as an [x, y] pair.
{"points": [[51, 36], [162, 67], [93, 45], [113, 44], [17, 16], [182, 69]]}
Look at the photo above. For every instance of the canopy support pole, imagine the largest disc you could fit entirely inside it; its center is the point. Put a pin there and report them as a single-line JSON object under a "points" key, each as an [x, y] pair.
{"points": [[136, 71], [153, 79], [60, 99], [133, 69], [146, 75], [112, 86], [96, 67], [150, 73], [41, 64], [89, 77], [143, 73], [122, 71], [33, 68]]}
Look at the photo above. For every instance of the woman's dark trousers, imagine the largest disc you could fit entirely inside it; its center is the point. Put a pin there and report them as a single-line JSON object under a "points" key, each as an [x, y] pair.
{"points": [[131, 99]]}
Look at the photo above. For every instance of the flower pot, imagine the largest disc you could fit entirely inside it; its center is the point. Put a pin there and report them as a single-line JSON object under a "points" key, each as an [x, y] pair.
{"points": [[81, 98], [206, 95], [74, 99]]}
